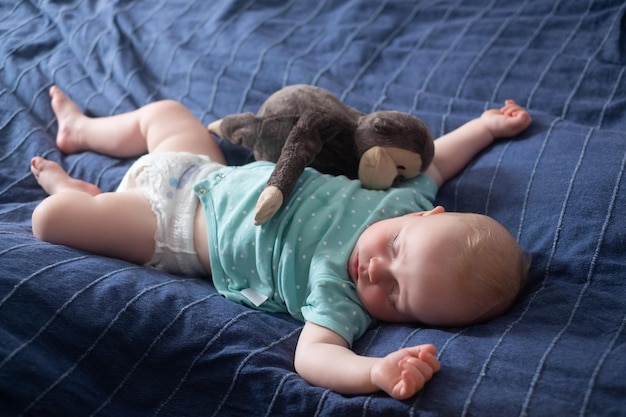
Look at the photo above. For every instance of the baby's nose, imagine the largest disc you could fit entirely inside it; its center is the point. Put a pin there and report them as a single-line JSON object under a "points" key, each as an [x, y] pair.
{"points": [[377, 271]]}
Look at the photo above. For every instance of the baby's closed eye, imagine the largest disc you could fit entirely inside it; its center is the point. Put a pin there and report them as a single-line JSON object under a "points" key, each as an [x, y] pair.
{"points": [[393, 247]]}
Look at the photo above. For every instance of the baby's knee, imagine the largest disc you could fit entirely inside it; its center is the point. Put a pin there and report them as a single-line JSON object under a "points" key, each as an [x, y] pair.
{"points": [[163, 112], [47, 218], [168, 107]]}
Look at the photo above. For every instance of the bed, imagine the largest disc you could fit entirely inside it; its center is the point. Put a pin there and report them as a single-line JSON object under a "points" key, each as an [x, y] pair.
{"points": [[86, 335]]}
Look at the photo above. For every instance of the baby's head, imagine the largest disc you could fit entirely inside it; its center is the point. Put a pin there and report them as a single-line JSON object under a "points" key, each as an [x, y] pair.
{"points": [[437, 268]]}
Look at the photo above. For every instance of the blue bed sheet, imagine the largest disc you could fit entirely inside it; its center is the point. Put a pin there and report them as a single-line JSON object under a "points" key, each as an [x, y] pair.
{"points": [[86, 335]]}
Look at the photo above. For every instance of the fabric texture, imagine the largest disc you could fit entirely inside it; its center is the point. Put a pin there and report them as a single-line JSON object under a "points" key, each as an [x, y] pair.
{"points": [[87, 335]]}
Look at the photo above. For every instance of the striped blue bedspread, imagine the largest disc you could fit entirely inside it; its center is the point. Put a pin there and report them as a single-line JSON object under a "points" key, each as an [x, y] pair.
{"points": [[86, 335]]}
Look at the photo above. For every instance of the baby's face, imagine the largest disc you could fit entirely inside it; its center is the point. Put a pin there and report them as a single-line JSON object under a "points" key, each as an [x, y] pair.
{"points": [[404, 269]]}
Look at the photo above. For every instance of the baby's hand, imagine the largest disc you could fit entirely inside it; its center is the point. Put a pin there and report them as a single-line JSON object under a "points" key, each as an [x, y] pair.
{"points": [[507, 121], [404, 372]]}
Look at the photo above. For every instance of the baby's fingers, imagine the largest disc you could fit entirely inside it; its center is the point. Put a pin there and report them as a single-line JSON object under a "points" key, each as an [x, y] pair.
{"points": [[415, 374], [425, 353], [510, 108], [426, 368], [429, 358]]}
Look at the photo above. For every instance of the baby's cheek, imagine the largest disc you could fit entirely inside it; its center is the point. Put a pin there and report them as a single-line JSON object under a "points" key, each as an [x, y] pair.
{"points": [[376, 303]]}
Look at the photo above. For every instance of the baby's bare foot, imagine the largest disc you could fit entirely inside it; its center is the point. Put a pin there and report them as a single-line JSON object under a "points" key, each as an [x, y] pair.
{"points": [[53, 178], [69, 117]]}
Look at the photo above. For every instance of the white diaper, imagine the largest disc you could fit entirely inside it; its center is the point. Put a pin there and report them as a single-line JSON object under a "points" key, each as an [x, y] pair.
{"points": [[166, 180]]}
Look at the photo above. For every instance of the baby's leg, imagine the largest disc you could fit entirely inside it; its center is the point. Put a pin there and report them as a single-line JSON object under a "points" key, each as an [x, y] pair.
{"points": [[157, 127], [76, 214]]}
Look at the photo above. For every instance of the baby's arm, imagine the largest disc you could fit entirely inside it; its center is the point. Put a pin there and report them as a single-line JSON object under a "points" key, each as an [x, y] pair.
{"points": [[454, 150], [324, 359]]}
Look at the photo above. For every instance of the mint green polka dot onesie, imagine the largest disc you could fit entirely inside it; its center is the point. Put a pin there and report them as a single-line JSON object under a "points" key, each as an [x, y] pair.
{"points": [[297, 262]]}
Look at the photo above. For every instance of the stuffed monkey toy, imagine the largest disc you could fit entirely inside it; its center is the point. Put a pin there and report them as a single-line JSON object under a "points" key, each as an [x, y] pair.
{"points": [[303, 125]]}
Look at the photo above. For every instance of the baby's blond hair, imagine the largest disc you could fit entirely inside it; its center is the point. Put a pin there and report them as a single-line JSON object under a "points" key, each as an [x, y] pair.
{"points": [[492, 266]]}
